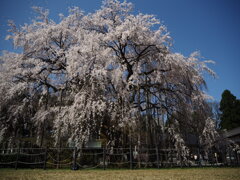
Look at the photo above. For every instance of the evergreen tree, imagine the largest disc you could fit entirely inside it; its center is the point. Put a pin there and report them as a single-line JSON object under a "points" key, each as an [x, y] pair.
{"points": [[230, 107]]}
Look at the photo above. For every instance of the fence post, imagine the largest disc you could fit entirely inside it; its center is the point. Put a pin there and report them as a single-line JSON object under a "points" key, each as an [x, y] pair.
{"points": [[181, 161], [104, 158], [236, 156], [198, 157], [45, 159], [157, 156], [17, 158], [74, 166], [161, 156], [230, 156], [58, 157], [130, 156]]}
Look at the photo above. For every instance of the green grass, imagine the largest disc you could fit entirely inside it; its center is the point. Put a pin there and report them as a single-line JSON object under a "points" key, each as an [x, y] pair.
{"points": [[143, 174]]}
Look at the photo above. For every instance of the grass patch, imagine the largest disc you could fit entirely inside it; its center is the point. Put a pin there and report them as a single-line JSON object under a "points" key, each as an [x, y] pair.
{"points": [[141, 174]]}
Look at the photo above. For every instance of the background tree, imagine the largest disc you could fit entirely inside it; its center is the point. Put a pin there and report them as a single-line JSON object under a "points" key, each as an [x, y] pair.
{"points": [[230, 108]]}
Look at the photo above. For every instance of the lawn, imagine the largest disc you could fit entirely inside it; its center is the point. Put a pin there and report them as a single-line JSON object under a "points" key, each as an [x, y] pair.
{"points": [[146, 174]]}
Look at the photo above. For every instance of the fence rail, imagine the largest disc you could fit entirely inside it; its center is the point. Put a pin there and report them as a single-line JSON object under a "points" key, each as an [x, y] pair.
{"points": [[89, 158]]}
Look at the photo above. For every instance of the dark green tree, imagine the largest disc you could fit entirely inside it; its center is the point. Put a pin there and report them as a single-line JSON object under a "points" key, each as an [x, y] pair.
{"points": [[230, 108]]}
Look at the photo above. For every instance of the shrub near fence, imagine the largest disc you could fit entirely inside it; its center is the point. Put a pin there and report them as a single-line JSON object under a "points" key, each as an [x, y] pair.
{"points": [[88, 158]]}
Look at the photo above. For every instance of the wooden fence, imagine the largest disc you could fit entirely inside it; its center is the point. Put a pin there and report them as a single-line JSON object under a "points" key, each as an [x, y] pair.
{"points": [[88, 158]]}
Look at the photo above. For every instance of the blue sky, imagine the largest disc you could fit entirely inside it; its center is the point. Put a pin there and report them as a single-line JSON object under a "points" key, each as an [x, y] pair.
{"points": [[209, 26]]}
